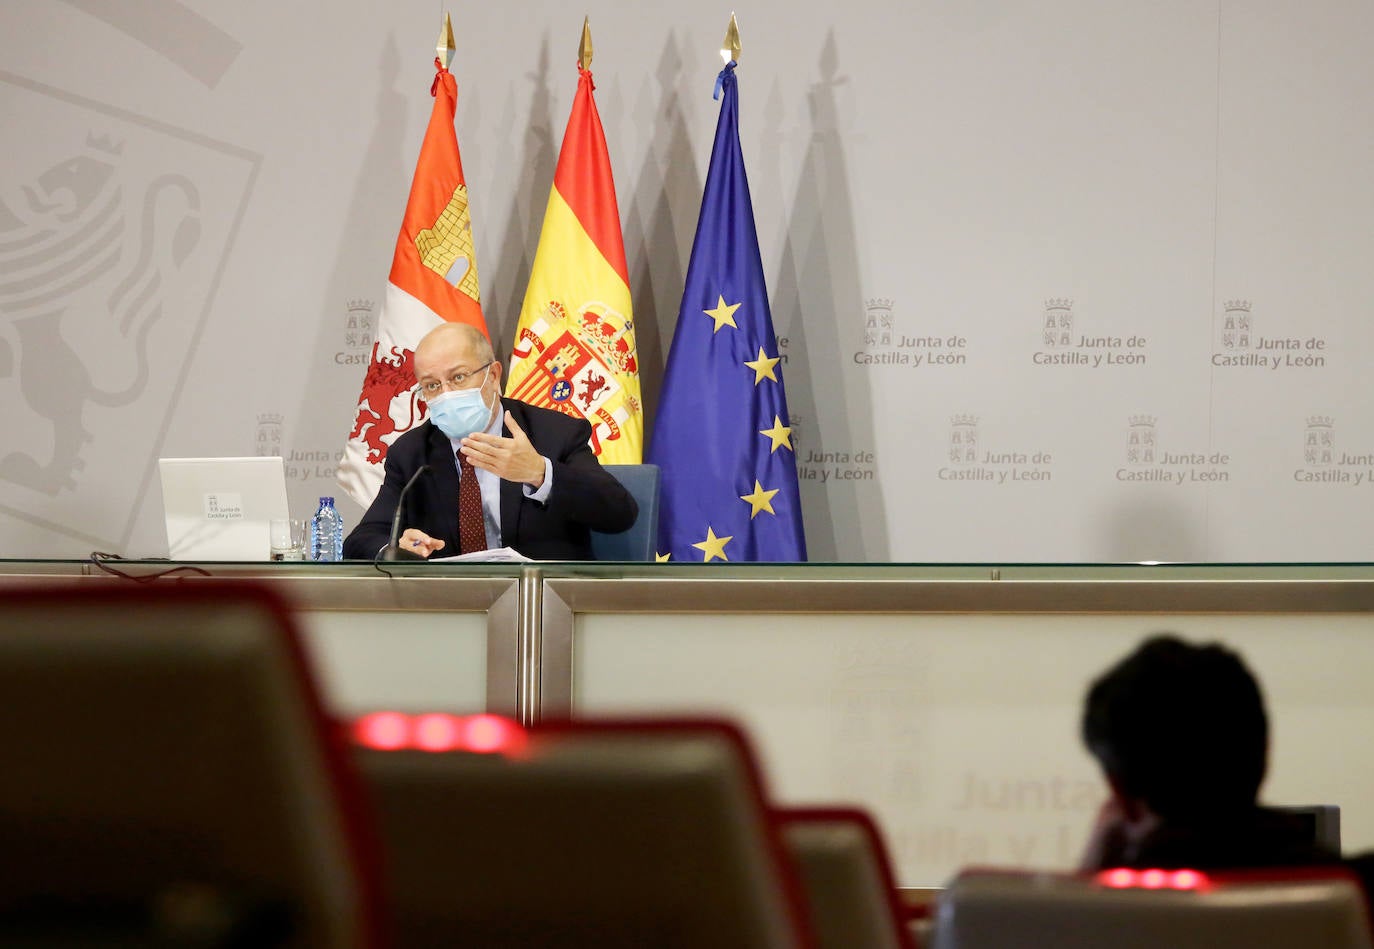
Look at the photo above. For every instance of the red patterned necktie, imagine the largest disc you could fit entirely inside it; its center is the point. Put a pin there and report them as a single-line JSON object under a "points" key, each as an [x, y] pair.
{"points": [[472, 533]]}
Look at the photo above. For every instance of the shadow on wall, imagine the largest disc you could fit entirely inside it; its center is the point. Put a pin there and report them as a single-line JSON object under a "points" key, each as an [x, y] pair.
{"points": [[365, 247], [818, 303], [653, 245], [1150, 529], [536, 157]]}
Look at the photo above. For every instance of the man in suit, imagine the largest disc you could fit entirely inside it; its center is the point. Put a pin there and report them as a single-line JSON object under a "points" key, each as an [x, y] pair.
{"points": [[539, 487]]}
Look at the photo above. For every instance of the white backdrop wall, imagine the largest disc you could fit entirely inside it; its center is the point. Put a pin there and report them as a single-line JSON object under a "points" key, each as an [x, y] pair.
{"points": [[1064, 281]]}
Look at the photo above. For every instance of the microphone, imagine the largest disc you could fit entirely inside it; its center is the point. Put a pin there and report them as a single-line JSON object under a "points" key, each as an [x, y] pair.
{"points": [[392, 551]]}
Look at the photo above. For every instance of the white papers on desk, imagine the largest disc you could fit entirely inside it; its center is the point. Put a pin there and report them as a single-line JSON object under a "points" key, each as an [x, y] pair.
{"points": [[496, 555]]}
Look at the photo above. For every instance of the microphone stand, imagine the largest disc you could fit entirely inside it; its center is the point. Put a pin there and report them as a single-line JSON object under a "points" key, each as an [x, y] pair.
{"points": [[393, 551]]}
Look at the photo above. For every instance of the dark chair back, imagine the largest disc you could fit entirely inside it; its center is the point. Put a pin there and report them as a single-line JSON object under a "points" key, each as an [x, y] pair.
{"points": [[171, 777], [637, 543], [1125, 909], [596, 834], [850, 890]]}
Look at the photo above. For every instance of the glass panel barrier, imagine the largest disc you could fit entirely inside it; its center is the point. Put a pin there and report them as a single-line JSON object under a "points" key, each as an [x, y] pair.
{"points": [[425, 637], [950, 705]]}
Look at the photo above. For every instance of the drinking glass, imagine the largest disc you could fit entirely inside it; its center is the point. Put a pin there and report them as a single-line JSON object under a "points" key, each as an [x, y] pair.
{"points": [[288, 538]]}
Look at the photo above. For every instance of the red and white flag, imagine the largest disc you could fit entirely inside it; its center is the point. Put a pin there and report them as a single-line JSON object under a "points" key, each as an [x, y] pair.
{"points": [[433, 279]]}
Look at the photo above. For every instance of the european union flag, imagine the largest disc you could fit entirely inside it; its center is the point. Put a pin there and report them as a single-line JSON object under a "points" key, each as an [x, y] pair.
{"points": [[723, 437]]}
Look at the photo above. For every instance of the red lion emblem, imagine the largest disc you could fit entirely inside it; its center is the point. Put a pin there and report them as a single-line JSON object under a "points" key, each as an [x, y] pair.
{"points": [[387, 377], [591, 386]]}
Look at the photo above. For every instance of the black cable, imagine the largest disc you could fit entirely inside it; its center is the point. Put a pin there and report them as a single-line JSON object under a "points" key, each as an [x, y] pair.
{"points": [[99, 559], [377, 562]]}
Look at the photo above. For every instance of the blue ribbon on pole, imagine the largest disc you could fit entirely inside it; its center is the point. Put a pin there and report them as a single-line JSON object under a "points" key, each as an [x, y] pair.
{"points": [[727, 72]]}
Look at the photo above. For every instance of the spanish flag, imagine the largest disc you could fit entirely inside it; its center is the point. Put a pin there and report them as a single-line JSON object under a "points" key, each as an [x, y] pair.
{"points": [[433, 278], [574, 348]]}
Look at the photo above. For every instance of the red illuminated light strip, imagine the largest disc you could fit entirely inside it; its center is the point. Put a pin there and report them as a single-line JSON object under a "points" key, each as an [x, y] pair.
{"points": [[1124, 878], [438, 732]]}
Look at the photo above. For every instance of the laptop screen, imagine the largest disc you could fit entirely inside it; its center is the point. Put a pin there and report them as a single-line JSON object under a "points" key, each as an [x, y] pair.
{"points": [[221, 508]]}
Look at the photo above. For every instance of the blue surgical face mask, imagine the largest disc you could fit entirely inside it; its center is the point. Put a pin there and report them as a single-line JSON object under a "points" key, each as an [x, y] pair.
{"points": [[459, 413]]}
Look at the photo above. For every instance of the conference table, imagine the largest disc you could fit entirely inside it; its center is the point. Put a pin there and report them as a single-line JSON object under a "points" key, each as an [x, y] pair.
{"points": [[942, 697]]}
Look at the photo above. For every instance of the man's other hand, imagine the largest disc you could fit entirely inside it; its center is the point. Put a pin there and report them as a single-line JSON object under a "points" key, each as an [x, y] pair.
{"points": [[513, 459]]}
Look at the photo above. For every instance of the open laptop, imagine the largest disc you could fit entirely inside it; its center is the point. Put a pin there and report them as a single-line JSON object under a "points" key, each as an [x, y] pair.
{"points": [[221, 508]]}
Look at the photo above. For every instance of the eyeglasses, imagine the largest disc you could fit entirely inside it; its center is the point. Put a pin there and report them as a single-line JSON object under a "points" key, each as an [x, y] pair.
{"points": [[458, 380]]}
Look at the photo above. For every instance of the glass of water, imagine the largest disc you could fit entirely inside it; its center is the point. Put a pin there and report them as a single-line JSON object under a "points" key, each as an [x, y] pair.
{"points": [[288, 538]]}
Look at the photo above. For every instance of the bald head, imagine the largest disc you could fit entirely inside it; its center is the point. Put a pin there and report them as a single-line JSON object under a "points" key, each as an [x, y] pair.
{"points": [[446, 336]]}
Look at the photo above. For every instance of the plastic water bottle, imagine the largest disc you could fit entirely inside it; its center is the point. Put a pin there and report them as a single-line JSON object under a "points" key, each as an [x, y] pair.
{"points": [[326, 533]]}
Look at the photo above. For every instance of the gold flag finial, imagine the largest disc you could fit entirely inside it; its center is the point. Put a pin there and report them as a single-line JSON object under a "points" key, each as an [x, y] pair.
{"points": [[444, 49], [729, 47], [584, 48]]}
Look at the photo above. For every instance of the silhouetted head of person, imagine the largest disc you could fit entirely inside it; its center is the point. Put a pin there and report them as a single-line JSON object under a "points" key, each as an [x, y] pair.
{"points": [[1179, 729]]}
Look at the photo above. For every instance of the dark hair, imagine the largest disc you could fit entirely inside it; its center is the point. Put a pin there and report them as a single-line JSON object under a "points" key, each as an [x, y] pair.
{"points": [[1181, 727]]}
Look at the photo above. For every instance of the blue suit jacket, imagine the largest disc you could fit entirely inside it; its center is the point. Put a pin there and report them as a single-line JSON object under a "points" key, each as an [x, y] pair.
{"points": [[584, 497]]}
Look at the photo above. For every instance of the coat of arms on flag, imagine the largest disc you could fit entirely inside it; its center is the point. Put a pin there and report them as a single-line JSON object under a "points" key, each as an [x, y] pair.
{"points": [[576, 365]]}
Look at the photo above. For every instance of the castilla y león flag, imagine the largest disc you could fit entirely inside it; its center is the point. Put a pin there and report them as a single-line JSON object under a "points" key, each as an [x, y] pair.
{"points": [[574, 348], [433, 278]]}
